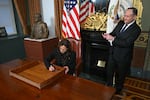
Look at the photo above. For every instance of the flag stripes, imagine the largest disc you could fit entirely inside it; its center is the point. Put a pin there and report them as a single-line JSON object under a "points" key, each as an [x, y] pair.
{"points": [[86, 8], [70, 20]]}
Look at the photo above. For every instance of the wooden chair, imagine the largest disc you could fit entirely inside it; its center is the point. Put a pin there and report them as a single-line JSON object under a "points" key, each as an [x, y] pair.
{"points": [[76, 47]]}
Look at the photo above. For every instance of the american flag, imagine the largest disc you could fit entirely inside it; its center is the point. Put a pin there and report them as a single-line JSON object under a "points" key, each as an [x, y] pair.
{"points": [[70, 19], [86, 8]]}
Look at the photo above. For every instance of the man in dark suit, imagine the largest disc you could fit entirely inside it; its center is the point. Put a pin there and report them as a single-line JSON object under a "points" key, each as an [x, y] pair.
{"points": [[121, 50]]}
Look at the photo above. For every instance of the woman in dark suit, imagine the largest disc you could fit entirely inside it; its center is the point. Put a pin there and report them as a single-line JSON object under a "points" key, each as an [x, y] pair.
{"points": [[121, 50], [64, 57]]}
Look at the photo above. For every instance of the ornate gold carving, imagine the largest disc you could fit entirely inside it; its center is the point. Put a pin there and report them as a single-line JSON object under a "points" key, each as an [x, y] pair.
{"points": [[95, 22], [138, 4]]}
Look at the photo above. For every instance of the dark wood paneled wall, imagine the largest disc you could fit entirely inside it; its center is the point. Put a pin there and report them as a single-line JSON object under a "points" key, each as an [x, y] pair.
{"points": [[138, 57]]}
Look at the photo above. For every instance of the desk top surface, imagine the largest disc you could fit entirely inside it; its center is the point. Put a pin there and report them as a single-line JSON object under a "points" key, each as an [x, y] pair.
{"points": [[65, 88]]}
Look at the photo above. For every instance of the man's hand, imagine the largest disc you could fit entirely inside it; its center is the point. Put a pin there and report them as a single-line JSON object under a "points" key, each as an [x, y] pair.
{"points": [[108, 37]]}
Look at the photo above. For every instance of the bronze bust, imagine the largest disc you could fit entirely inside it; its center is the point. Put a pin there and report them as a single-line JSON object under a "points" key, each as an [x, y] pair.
{"points": [[39, 29]]}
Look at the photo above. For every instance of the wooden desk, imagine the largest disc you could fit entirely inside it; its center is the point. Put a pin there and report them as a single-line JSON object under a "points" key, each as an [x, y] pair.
{"points": [[66, 88]]}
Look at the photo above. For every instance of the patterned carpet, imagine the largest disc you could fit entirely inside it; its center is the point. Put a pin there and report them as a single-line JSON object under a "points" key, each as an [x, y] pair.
{"points": [[134, 89]]}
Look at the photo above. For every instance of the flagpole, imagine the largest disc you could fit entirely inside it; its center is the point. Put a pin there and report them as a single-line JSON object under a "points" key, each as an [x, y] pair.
{"points": [[78, 3], [79, 10]]}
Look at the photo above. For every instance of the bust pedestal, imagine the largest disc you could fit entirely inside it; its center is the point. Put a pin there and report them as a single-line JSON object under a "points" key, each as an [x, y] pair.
{"points": [[38, 49]]}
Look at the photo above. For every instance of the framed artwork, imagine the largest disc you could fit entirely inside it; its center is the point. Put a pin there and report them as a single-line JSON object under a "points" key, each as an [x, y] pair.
{"points": [[3, 32]]}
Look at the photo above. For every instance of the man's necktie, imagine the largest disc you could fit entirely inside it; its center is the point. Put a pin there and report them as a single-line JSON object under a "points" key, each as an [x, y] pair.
{"points": [[123, 28]]}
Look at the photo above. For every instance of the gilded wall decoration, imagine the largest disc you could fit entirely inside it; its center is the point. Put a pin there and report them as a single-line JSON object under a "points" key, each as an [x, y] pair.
{"points": [[95, 22]]}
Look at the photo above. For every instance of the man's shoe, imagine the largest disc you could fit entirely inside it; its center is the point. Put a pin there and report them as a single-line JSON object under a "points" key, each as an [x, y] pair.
{"points": [[119, 92]]}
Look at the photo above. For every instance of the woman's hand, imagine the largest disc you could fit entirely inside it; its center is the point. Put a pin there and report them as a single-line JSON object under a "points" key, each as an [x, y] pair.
{"points": [[66, 69], [51, 68]]}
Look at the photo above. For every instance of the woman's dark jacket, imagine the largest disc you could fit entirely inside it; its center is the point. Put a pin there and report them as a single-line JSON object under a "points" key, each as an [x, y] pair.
{"points": [[66, 59]]}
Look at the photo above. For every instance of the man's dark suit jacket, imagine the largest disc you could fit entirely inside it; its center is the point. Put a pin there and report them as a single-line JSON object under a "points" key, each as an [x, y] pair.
{"points": [[122, 49]]}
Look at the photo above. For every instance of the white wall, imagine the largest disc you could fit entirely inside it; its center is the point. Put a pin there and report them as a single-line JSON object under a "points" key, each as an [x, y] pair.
{"points": [[7, 17], [48, 15]]}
